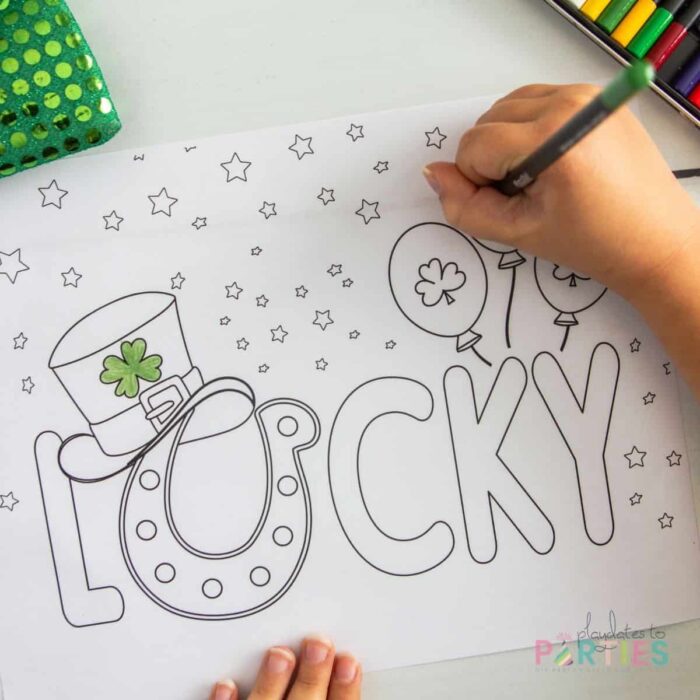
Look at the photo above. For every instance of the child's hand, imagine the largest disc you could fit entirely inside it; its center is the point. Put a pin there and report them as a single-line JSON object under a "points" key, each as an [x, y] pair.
{"points": [[610, 208], [321, 674]]}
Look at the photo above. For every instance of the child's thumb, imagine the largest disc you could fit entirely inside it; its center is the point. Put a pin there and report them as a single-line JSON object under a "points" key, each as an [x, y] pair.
{"points": [[482, 212]]}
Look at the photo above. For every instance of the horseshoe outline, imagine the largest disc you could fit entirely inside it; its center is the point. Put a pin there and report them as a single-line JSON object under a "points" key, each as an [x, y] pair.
{"points": [[281, 448]]}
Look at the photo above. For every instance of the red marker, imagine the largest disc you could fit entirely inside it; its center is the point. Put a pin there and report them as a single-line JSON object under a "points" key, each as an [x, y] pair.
{"points": [[694, 96], [681, 55], [672, 37]]}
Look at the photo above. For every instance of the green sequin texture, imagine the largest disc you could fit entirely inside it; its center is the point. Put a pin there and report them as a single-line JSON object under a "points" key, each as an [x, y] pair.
{"points": [[53, 97]]}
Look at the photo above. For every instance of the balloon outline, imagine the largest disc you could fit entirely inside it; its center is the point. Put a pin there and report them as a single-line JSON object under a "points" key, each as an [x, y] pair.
{"points": [[471, 338], [559, 321]]}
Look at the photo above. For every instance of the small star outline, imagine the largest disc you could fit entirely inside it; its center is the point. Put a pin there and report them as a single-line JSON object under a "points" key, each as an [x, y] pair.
{"points": [[368, 211], [327, 196], [268, 210], [434, 138], [162, 203], [355, 132], [11, 264], [278, 334], [52, 195], [635, 457], [674, 459], [71, 278], [233, 291], [8, 501], [323, 319], [301, 146], [113, 221], [236, 169], [665, 521], [20, 341], [177, 281]]}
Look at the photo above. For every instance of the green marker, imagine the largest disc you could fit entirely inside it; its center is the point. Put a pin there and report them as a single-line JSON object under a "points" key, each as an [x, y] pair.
{"points": [[626, 85], [654, 27], [614, 13]]}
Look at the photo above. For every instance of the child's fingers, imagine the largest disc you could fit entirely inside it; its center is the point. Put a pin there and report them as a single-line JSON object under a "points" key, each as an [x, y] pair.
{"points": [[224, 690], [480, 211], [314, 672], [489, 151], [346, 682], [274, 675]]}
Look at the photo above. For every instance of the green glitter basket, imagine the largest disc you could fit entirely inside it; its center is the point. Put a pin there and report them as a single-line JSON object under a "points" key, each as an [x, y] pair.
{"points": [[53, 98]]}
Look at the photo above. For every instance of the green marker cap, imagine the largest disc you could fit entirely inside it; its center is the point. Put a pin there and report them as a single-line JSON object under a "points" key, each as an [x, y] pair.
{"points": [[614, 13], [648, 35], [627, 84]]}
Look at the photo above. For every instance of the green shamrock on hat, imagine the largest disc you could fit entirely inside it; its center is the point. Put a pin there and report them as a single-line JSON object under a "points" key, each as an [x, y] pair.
{"points": [[130, 367]]}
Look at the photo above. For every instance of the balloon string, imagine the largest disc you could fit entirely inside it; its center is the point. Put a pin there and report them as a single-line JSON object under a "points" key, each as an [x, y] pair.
{"points": [[510, 306], [566, 338], [481, 357]]}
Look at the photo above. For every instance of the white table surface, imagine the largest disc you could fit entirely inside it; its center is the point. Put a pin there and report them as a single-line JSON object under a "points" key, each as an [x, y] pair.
{"points": [[180, 70]]}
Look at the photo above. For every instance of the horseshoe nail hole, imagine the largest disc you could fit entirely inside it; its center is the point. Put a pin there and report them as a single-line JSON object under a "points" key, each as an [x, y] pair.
{"points": [[287, 426], [149, 480], [212, 588], [287, 485], [282, 536], [260, 576], [146, 530], [165, 573]]}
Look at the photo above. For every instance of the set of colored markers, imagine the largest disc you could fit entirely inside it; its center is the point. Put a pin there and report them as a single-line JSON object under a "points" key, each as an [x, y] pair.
{"points": [[666, 33]]}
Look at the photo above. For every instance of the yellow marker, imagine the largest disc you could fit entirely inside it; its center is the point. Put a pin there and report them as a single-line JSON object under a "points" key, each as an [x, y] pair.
{"points": [[634, 21], [594, 8]]}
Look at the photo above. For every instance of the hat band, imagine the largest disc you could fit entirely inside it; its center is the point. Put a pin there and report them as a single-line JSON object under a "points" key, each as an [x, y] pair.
{"points": [[135, 427]]}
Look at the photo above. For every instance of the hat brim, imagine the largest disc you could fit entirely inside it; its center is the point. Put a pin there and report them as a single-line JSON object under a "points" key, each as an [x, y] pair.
{"points": [[217, 407]]}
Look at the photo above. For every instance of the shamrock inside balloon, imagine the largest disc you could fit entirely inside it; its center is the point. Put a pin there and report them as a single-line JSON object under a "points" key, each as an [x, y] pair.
{"points": [[438, 280], [439, 283]]}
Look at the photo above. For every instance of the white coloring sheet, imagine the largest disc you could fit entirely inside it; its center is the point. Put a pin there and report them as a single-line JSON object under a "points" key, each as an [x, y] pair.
{"points": [[256, 387]]}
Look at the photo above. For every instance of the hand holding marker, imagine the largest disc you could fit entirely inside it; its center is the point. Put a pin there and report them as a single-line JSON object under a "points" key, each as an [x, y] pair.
{"points": [[626, 85]]}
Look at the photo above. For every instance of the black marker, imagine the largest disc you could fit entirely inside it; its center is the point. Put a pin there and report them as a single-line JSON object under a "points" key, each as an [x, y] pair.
{"points": [[625, 86]]}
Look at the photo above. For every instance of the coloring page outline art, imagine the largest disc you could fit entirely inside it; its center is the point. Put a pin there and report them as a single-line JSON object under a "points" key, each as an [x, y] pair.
{"points": [[167, 417], [254, 385]]}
